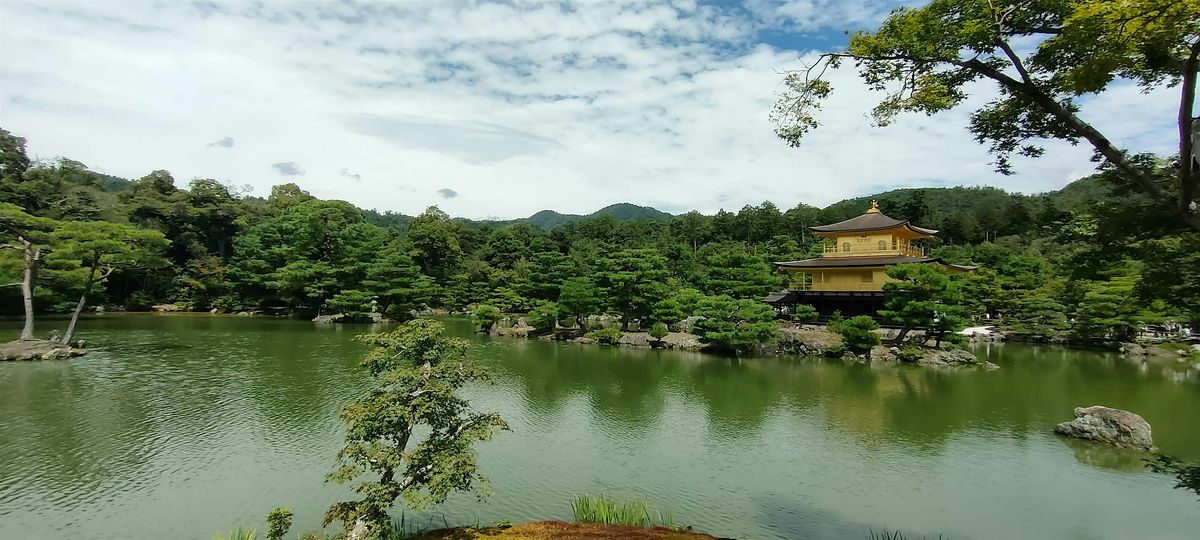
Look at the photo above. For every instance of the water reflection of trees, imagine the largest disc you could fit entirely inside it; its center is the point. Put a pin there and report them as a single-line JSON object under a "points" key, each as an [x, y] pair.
{"points": [[623, 387], [877, 405]]}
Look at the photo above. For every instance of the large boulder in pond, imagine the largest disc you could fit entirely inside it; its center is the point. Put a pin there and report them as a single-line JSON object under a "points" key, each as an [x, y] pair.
{"points": [[38, 349], [953, 357], [634, 339], [682, 340], [1108, 425]]}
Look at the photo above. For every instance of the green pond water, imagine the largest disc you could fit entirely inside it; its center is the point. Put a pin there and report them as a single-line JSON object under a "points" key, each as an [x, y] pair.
{"points": [[177, 426]]}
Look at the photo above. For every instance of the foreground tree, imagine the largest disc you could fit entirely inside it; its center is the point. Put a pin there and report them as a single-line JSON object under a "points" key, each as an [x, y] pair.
{"points": [[417, 374], [102, 248], [925, 59]]}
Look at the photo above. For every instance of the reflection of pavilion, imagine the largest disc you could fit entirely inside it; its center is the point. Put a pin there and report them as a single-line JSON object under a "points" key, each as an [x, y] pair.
{"points": [[850, 273]]}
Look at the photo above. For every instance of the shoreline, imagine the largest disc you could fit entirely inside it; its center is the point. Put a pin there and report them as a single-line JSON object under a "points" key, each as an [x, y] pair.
{"points": [[1151, 349]]}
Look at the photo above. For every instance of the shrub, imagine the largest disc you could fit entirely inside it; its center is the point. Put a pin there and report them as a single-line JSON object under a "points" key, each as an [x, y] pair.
{"points": [[658, 331], [606, 336], [735, 325], [278, 523], [858, 333], [804, 313], [239, 534], [354, 304], [543, 317], [486, 316], [837, 350], [835, 321], [910, 354]]}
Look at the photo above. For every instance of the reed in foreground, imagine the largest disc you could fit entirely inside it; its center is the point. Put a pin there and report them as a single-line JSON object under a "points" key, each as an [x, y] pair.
{"points": [[239, 534], [605, 510]]}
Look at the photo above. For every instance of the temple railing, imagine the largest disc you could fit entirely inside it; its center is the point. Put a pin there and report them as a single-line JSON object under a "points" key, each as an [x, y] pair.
{"points": [[866, 250]]}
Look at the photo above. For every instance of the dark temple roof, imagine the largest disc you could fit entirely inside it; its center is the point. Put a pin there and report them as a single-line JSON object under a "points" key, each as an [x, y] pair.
{"points": [[872, 220], [862, 262]]}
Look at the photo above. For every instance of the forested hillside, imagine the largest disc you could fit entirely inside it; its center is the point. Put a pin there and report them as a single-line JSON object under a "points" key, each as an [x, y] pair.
{"points": [[1088, 261]]}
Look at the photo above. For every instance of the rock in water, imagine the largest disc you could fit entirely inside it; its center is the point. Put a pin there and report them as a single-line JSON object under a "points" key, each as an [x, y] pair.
{"points": [[38, 349], [1112, 426]]}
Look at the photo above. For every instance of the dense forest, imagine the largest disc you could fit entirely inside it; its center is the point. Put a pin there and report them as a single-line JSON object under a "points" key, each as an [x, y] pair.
{"points": [[1091, 261]]}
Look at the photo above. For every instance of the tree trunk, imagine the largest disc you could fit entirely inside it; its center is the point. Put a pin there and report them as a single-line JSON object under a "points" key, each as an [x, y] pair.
{"points": [[87, 289], [33, 257], [1187, 179], [903, 334], [1099, 142]]}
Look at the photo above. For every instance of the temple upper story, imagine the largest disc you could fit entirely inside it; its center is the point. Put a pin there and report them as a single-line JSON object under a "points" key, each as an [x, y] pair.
{"points": [[858, 251], [873, 234]]}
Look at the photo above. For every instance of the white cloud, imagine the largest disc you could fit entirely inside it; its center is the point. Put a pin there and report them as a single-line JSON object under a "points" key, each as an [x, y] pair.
{"points": [[520, 107]]}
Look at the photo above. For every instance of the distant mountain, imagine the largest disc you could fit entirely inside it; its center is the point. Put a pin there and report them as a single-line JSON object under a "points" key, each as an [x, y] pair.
{"points": [[549, 219], [923, 205]]}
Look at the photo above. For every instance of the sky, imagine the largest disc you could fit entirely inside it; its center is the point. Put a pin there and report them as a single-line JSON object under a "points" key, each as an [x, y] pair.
{"points": [[494, 110]]}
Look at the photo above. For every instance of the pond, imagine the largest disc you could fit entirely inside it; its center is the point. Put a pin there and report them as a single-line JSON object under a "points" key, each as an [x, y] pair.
{"points": [[176, 426]]}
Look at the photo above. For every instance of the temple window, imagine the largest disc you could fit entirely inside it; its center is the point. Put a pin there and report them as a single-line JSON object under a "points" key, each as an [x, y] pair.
{"points": [[882, 245], [846, 247]]}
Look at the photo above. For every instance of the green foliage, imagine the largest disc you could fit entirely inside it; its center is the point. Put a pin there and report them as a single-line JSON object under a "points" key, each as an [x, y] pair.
{"points": [[1038, 314], [435, 242], [910, 354], [397, 284], [508, 300], [486, 316], [858, 333], [605, 336], [804, 313], [1171, 274], [924, 296], [632, 280], [548, 271], [237, 534], [417, 374], [543, 317], [727, 269], [579, 298], [735, 325], [668, 311], [278, 523], [606, 510], [658, 331], [1042, 55], [837, 350], [1044, 260], [356, 305], [681, 304], [1110, 311]]}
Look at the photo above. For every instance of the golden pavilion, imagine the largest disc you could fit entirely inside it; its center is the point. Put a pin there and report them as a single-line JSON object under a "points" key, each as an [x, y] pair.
{"points": [[850, 273]]}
